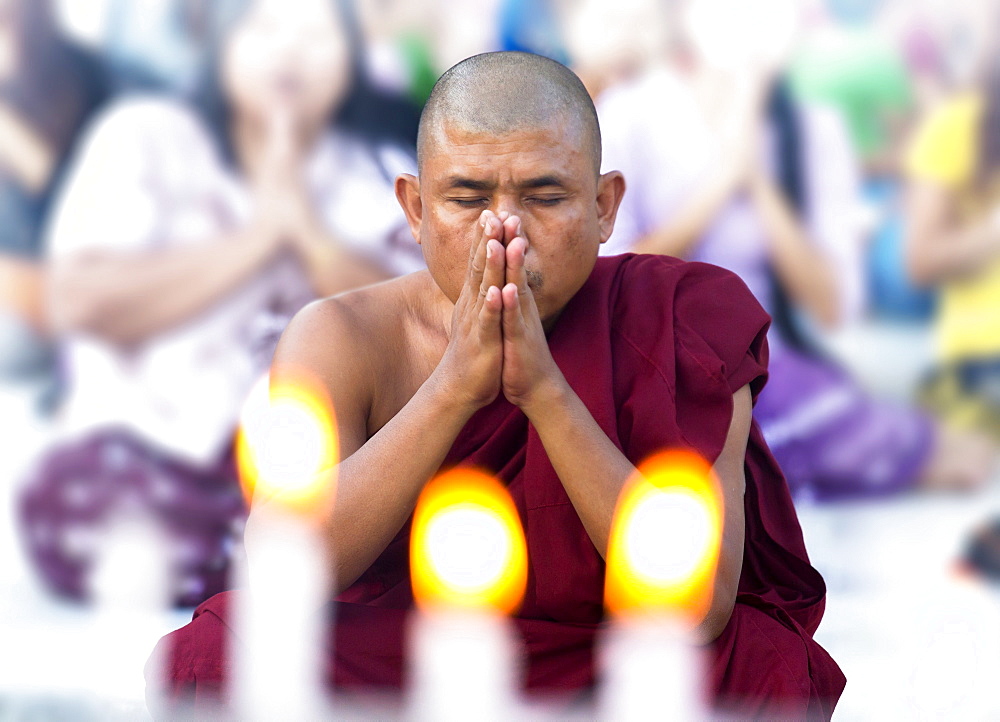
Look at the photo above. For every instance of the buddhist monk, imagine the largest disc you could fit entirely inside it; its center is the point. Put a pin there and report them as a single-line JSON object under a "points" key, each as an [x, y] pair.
{"points": [[520, 351]]}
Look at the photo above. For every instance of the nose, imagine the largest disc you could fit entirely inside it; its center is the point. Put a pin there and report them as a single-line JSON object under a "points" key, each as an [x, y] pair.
{"points": [[507, 198], [505, 208]]}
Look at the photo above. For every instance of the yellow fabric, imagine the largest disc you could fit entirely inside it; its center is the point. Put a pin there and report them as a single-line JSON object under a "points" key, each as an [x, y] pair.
{"points": [[945, 151], [944, 148]]}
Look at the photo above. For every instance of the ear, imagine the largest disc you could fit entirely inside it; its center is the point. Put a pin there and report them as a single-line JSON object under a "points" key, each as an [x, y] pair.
{"points": [[610, 191], [408, 195]]}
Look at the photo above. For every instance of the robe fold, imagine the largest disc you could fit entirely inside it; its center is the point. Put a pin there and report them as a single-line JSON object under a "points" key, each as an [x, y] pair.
{"points": [[655, 349]]}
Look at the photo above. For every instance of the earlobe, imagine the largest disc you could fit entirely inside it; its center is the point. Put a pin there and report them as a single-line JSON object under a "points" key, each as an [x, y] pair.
{"points": [[408, 195], [610, 191]]}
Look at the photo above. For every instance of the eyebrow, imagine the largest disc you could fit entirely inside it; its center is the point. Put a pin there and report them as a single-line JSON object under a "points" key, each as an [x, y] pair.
{"points": [[543, 182], [470, 184], [480, 185]]}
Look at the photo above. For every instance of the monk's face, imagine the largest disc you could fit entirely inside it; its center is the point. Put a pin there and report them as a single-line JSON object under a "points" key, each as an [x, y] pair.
{"points": [[545, 176]]}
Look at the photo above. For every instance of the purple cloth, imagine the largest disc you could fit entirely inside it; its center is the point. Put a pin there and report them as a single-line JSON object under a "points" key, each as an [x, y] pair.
{"points": [[78, 488], [832, 440]]}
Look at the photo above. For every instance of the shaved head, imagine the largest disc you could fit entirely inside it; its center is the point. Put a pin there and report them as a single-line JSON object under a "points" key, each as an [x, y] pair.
{"points": [[500, 93]]}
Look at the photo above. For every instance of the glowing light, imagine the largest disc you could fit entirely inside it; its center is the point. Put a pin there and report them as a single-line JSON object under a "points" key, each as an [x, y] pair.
{"points": [[287, 447], [467, 548], [665, 539]]}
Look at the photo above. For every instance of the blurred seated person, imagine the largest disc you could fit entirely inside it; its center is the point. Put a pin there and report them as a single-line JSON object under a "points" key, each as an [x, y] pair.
{"points": [[520, 352], [849, 62], [48, 89], [185, 238], [726, 169], [953, 211]]}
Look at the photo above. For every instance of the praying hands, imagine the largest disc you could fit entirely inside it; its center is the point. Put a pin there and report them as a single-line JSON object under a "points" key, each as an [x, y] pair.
{"points": [[497, 341], [286, 216]]}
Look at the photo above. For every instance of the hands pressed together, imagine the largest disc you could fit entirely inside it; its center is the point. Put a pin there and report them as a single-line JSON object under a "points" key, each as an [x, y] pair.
{"points": [[497, 340], [284, 214]]}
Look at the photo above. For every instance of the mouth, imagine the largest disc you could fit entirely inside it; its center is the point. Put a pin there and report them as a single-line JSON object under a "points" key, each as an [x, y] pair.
{"points": [[287, 85]]}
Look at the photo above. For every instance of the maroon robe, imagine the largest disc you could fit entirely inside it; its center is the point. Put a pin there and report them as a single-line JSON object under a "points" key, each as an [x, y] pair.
{"points": [[655, 348]]}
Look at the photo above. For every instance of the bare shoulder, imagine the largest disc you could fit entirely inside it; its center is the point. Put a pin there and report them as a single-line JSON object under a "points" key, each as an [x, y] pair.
{"points": [[333, 335], [348, 343]]}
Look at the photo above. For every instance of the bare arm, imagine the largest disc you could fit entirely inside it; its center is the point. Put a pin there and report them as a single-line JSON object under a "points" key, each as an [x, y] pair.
{"points": [[593, 472], [380, 478], [800, 266], [591, 468], [21, 290], [332, 267], [938, 248], [678, 236], [126, 297], [729, 469], [22, 150]]}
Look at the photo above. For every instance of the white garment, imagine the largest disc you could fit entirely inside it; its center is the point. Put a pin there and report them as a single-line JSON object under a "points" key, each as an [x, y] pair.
{"points": [[654, 131], [148, 176]]}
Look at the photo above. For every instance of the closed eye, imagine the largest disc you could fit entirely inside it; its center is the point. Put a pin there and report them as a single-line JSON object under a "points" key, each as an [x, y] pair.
{"points": [[467, 202], [547, 200]]}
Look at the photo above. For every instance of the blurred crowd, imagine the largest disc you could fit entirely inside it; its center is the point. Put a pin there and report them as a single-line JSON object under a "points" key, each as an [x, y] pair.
{"points": [[179, 177]]}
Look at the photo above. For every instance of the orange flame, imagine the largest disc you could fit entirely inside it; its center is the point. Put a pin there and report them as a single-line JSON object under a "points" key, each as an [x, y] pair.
{"points": [[467, 547], [287, 447], [665, 539]]}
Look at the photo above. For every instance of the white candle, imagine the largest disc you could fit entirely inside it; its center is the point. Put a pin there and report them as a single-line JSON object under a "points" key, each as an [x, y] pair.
{"points": [[468, 562], [463, 667], [130, 589], [278, 649], [287, 453], [662, 557], [651, 670]]}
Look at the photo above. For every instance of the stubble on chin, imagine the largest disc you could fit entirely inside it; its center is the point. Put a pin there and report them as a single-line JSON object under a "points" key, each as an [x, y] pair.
{"points": [[535, 280]]}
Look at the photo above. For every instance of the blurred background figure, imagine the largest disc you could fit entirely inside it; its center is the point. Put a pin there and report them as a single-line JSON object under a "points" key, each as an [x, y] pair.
{"points": [[953, 169], [852, 60], [724, 166], [49, 87], [953, 246], [186, 236]]}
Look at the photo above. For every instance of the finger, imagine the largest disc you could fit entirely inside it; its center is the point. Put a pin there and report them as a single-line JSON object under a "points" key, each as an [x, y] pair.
{"points": [[516, 273], [511, 229], [489, 314], [496, 262], [513, 318], [477, 254]]}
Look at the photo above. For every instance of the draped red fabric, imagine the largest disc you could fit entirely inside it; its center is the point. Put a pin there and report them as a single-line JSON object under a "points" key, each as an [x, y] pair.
{"points": [[655, 348]]}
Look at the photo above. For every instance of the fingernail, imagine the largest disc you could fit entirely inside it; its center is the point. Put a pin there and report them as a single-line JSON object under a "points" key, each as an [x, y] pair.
{"points": [[489, 250], [482, 219]]}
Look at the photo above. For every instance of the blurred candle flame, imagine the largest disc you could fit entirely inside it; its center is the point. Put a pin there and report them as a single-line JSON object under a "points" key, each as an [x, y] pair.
{"points": [[467, 546], [287, 446], [665, 540]]}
